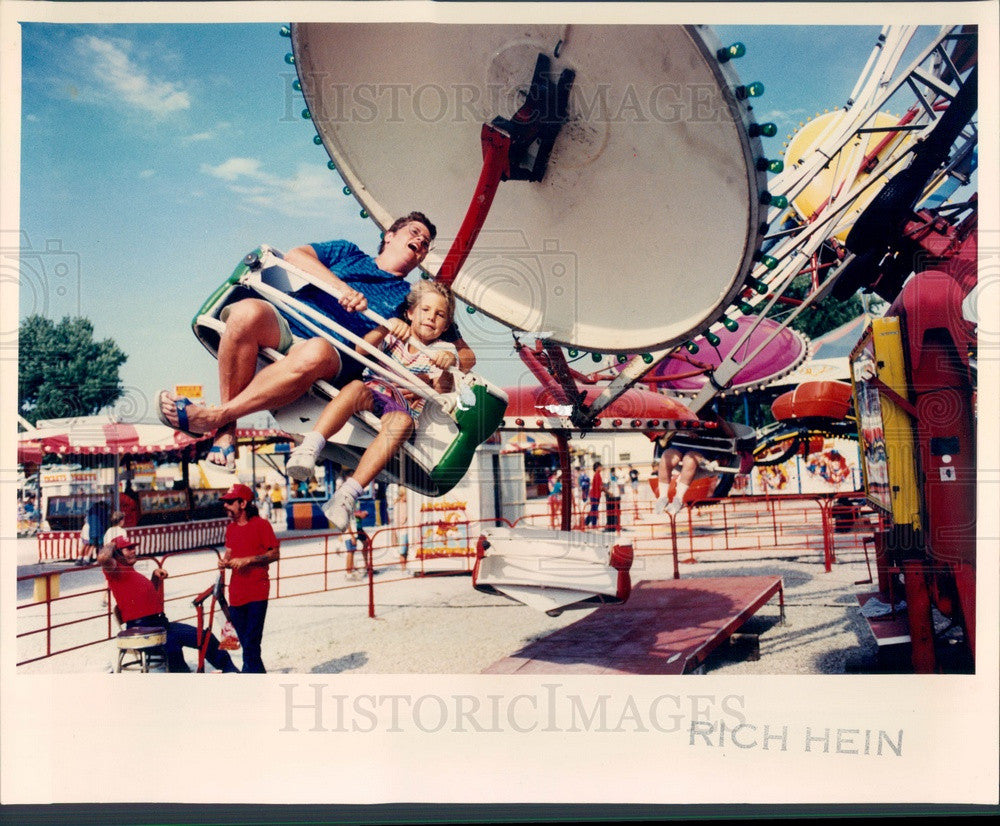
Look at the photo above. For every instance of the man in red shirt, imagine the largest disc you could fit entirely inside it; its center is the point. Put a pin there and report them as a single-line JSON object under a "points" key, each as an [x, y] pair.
{"points": [[596, 487], [250, 547], [140, 601]]}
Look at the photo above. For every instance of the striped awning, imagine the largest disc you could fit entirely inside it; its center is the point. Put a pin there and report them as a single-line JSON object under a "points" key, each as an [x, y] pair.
{"points": [[99, 435]]}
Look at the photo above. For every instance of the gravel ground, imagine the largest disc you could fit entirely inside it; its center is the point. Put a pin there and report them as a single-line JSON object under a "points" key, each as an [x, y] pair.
{"points": [[440, 624]]}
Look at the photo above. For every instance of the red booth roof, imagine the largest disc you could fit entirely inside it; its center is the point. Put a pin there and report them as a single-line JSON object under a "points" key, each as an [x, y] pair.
{"points": [[86, 437]]}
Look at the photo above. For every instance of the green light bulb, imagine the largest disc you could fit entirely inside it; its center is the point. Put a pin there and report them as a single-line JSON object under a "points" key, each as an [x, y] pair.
{"points": [[346, 190], [765, 165], [331, 166], [730, 324], [768, 261], [573, 353], [779, 201], [317, 140], [290, 59], [596, 356], [297, 85], [470, 310], [306, 114], [751, 90], [622, 359], [768, 130], [757, 285], [364, 213], [285, 31], [712, 339], [647, 358], [730, 52], [691, 347], [745, 307]]}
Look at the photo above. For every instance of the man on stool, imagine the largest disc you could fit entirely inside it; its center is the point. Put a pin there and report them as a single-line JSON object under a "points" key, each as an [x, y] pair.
{"points": [[140, 601]]}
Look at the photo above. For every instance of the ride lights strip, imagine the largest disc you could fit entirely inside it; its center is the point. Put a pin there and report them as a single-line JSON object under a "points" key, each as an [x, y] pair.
{"points": [[642, 425]]}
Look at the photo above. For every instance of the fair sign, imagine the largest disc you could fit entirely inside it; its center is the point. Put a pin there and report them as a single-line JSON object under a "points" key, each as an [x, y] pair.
{"points": [[191, 391]]}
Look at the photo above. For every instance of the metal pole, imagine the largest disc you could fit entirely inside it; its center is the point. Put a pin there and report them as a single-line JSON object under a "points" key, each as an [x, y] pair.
{"points": [[115, 496], [562, 440], [253, 463]]}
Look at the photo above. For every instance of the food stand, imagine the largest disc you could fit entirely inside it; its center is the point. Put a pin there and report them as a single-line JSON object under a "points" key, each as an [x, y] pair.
{"points": [[88, 460]]}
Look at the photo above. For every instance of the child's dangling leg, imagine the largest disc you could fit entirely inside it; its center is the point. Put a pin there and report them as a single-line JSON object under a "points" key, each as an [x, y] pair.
{"points": [[340, 508], [348, 401]]}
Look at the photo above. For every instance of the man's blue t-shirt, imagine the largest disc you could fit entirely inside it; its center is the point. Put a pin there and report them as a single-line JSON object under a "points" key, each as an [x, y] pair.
{"points": [[386, 293], [359, 271]]}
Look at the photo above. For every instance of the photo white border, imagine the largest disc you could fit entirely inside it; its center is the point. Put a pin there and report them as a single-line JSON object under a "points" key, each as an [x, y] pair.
{"points": [[72, 738]]}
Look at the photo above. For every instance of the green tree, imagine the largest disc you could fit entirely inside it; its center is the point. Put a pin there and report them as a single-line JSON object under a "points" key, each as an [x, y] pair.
{"points": [[62, 371], [822, 316]]}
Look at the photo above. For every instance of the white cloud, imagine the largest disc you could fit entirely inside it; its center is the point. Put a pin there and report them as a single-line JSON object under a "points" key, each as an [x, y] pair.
{"points": [[199, 136], [122, 78], [147, 173], [309, 189], [235, 168]]}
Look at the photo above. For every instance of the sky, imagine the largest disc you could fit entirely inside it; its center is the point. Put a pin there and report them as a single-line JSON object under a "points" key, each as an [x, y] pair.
{"points": [[154, 156]]}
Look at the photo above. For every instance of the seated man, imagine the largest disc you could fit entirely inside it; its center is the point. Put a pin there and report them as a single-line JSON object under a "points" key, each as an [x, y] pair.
{"points": [[140, 601], [251, 324]]}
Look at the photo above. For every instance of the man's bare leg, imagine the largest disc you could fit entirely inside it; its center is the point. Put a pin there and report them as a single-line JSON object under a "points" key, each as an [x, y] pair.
{"points": [[243, 392], [669, 460], [250, 326], [689, 467]]}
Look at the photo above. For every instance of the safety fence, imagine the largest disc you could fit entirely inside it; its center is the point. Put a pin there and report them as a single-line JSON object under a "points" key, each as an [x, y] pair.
{"points": [[824, 524], [62, 546], [64, 610]]}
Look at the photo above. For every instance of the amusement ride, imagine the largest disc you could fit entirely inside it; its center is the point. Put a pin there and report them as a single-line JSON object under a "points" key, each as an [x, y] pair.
{"points": [[605, 224]]}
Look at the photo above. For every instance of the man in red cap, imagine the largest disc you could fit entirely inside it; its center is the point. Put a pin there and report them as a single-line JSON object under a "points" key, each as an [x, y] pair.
{"points": [[140, 601], [250, 547]]}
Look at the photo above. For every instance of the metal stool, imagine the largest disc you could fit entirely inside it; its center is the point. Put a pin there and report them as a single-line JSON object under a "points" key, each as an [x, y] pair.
{"points": [[144, 645]]}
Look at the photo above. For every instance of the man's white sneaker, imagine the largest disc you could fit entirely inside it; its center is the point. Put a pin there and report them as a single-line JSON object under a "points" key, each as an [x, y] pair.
{"points": [[301, 463], [339, 509], [660, 505], [675, 507]]}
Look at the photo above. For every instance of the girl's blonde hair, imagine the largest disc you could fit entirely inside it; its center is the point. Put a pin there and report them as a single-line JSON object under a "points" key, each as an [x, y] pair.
{"points": [[424, 286]]}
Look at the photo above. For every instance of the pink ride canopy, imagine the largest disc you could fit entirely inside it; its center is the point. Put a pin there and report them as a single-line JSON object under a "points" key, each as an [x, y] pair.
{"points": [[684, 372]]}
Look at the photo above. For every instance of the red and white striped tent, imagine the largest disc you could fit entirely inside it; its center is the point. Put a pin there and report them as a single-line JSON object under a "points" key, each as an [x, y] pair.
{"points": [[99, 435]]}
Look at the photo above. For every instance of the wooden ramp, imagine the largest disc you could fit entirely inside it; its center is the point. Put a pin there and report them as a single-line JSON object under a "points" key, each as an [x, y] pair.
{"points": [[666, 627]]}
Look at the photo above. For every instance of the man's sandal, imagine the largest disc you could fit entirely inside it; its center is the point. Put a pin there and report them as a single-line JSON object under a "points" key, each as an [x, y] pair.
{"points": [[227, 452], [180, 407]]}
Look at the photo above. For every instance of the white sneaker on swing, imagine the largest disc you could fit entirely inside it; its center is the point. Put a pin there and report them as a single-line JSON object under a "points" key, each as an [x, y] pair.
{"points": [[301, 463], [339, 509]]}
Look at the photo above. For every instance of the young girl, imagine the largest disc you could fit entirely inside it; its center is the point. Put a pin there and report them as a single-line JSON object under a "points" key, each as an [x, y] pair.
{"points": [[430, 308]]}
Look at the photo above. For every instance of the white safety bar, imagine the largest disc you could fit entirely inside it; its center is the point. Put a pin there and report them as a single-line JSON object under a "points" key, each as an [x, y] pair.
{"points": [[311, 318]]}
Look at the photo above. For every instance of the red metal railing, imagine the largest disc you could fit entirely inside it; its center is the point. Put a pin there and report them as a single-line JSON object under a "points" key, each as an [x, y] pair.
{"points": [[56, 546], [822, 523], [53, 624]]}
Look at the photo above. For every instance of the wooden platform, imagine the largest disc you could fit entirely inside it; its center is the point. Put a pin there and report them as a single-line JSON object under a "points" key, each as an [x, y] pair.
{"points": [[666, 627]]}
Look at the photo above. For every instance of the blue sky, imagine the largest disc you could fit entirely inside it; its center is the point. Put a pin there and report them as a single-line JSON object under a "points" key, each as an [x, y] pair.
{"points": [[154, 156]]}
